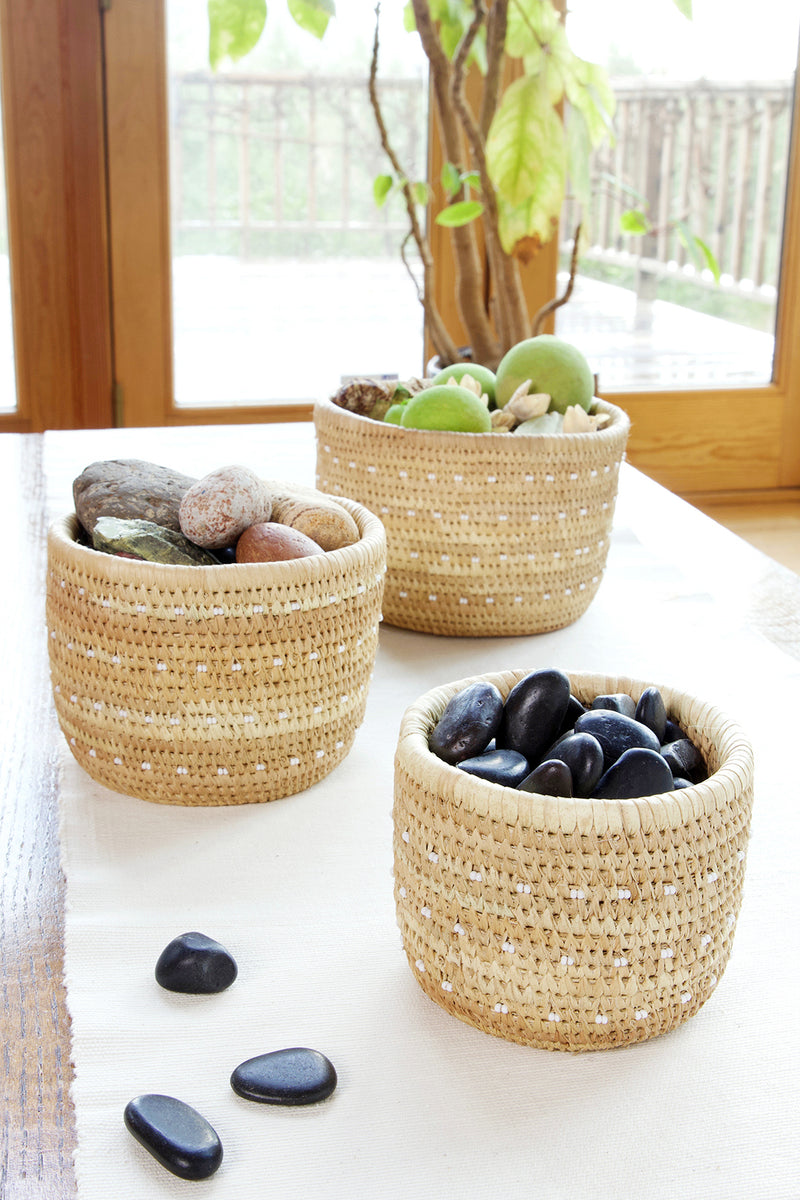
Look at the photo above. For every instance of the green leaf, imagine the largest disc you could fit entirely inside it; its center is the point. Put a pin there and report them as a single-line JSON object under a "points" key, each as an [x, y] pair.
{"points": [[470, 178], [588, 89], [525, 150], [381, 186], [312, 15], [634, 221], [701, 253], [234, 27], [710, 258], [685, 7], [421, 192], [450, 179], [409, 20], [460, 213]]}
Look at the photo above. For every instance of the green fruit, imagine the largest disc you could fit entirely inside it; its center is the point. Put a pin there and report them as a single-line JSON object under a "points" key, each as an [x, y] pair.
{"points": [[447, 406], [553, 366], [394, 413], [481, 375]]}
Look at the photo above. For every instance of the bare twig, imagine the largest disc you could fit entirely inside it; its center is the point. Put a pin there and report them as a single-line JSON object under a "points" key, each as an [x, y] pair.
{"points": [[551, 306], [496, 23], [441, 339], [512, 309]]}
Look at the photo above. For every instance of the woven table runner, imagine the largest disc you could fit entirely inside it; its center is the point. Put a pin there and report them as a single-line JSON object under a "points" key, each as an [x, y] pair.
{"points": [[300, 891]]}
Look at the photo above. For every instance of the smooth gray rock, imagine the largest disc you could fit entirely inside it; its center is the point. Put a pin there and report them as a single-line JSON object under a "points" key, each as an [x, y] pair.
{"points": [[468, 723], [131, 489], [148, 541], [175, 1134], [637, 772], [289, 1077]]}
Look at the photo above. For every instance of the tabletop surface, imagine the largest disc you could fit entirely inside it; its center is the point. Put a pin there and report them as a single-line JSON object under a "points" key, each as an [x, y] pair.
{"points": [[655, 532]]}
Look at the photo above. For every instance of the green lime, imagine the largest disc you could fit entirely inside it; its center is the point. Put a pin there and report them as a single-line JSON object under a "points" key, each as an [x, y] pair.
{"points": [[481, 375], [394, 413], [552, 366], [447, 406]]}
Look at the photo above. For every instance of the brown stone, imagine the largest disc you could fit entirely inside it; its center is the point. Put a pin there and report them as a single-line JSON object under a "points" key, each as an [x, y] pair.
{"points": [[130, 489]]}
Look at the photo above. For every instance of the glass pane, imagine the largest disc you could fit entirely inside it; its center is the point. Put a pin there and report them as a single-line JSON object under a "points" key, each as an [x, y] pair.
{"points": [[8, 387], [702, 139], [286, 276]]}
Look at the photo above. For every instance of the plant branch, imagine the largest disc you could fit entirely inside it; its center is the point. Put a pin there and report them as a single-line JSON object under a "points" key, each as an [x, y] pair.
{"points": [[441, 339], [468, 261], [496, 24], [551, 306], [512, 310]]}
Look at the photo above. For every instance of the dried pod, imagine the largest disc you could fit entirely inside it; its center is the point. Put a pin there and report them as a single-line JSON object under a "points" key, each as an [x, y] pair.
{"points": [[577, 420], [364, 397], [524, 405], [502, 421]]}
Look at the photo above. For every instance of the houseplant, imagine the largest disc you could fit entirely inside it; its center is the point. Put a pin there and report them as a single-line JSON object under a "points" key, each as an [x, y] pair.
{"points": [[511, 146]]}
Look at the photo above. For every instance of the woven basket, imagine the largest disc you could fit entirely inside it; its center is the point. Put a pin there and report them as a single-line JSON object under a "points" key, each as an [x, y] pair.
{"points": [[569, 924], [489, 534], [212, 685]]}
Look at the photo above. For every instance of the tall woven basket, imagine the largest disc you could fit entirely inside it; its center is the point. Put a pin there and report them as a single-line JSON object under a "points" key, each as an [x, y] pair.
{"points": [[212, 685], [569, 924], [489, 534]]}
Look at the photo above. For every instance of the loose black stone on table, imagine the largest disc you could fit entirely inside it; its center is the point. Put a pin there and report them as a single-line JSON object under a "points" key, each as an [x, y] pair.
{"points": [[505, 767], [196, 964], [637, 772], [583, 754], [290, 1077], [468, 723], [175, 1134], [534, 713], [550, 778], [619, 702], [652, 712], [616, 733], [685, 760]]}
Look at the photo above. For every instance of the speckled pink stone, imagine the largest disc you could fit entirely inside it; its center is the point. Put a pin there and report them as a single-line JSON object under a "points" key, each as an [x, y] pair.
{"points": [[222, 504]]}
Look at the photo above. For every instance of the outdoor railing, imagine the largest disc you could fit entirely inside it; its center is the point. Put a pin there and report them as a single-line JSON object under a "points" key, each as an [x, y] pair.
{"points": [[266, 165]]}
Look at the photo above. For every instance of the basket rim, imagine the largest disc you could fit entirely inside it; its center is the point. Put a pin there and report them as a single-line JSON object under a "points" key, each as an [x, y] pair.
{"points": [[619, 426], [315, 568], [533, 810]]}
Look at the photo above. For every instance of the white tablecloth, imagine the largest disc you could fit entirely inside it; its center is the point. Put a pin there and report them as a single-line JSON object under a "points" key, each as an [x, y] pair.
{"points": [[300, 891]]}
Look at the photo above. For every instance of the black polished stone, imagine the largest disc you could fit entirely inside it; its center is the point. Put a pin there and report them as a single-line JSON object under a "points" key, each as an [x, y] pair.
{"points": [[583, 754], [685, 760], [616, 733], [505, 767], [637, 772], [574, 709], [534, 713], [652, 712], [468, 723], [550, 778], [290, 1077], [195, 964], [175, 1134], [619, 702]]}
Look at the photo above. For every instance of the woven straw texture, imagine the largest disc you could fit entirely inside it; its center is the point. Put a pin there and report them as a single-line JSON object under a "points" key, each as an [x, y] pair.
{"points": [[212, 685], [489, 534], [569, 924]]}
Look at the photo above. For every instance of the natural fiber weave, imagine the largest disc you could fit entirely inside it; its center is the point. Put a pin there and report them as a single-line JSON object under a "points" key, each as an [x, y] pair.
{"points": [[212, 685], [569, 924], [489, 534]]}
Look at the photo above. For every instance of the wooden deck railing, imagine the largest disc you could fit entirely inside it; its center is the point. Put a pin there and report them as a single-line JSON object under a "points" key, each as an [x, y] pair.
{"points": [[284, 165], [709, 154]]}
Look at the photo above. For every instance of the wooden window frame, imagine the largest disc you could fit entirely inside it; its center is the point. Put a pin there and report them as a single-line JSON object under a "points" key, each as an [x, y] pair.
{"points": [[92, 295]]}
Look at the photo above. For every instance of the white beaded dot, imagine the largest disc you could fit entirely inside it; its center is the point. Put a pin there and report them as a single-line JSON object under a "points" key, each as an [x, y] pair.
{"points": [[406, 836], [567, 961], [117, 762], [433, 857], [639, 1014], [509, 947], [459, 928], [446, 986], [601, 1019], [553, 1016], [475, 876], [685, 997], [294, 762], [420, 965], [669, 889], [667, 952], [425, 912], [577, 894], [623, 893], [146, 766], [501, 1008]]}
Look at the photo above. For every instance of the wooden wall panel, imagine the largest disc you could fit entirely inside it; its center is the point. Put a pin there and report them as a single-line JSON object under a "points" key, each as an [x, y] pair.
{"points": [[55, 170]]}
